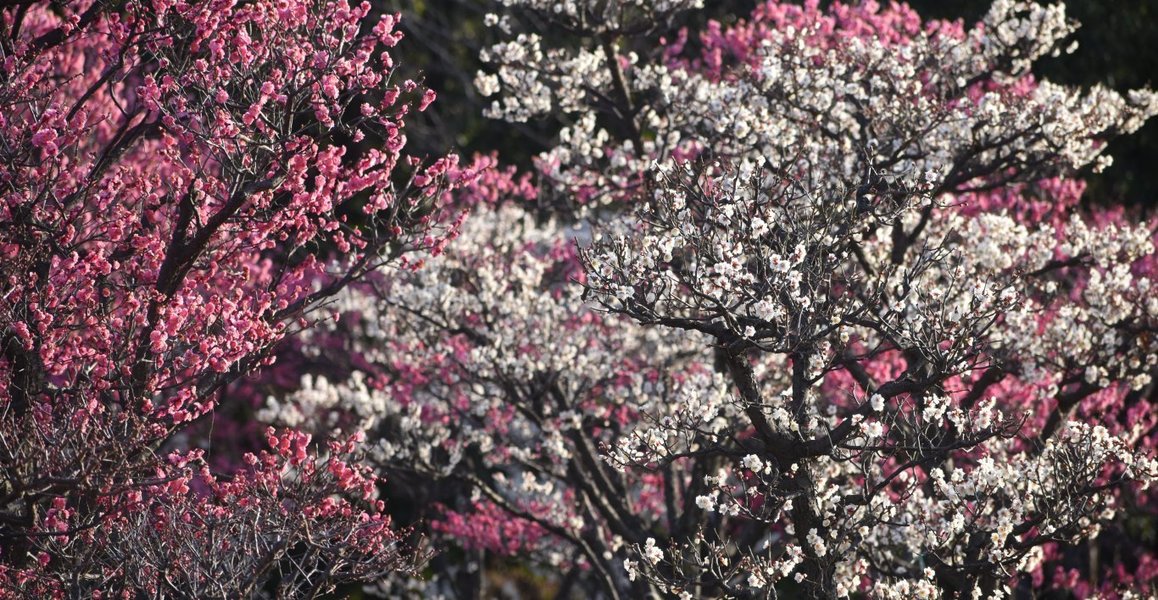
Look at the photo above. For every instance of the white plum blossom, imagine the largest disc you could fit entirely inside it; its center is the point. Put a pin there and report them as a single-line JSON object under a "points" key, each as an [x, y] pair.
{"points": [[810, 297], [651, 553]]}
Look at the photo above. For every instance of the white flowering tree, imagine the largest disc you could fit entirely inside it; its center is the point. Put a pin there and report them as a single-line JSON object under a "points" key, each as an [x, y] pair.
{"points": [[804, 306], [901, 423]]}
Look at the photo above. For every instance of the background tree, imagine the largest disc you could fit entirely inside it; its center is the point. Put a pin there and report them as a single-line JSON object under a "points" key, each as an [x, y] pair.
{"points": [[1115, 51]]}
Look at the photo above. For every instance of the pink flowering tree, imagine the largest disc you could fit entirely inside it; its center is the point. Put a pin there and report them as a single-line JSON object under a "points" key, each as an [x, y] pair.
{"points": [[181, 184], [803, 305]]}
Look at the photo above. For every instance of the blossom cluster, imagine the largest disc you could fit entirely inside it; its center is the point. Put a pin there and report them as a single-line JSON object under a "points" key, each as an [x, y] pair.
{"points": [[857, 94]]}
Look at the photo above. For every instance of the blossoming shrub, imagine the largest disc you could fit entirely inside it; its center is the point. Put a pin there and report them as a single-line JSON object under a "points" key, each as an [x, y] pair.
{"points": [[180, 185]]}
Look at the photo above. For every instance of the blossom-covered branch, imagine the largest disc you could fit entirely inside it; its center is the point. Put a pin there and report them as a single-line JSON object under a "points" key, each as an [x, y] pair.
{"points": [[181, 184]]}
